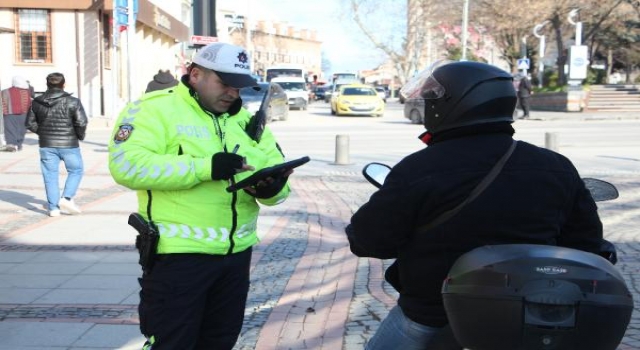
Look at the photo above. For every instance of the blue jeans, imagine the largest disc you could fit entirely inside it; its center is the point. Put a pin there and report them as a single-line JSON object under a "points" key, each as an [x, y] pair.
{"points": [[397, 331], [50, 163]]}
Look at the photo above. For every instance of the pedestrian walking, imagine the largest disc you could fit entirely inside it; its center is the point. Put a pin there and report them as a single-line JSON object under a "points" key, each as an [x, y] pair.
{"points": [[180, 149], [162, 80], [60, 122], [16, 102], [525, 90]]}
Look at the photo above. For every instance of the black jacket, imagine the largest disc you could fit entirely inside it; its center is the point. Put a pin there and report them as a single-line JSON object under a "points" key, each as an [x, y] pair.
{"points": [[58, 118], [538, 198], [524, 87]]}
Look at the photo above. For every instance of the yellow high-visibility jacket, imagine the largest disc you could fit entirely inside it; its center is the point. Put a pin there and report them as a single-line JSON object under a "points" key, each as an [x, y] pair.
{"points": [[162, 147]]}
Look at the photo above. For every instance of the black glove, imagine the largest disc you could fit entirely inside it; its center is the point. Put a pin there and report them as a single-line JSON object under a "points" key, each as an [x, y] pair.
{"points": [[269, 190], [224, 165]]}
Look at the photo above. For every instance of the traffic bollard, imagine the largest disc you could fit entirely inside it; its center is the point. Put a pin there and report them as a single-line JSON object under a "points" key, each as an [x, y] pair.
{"points": [[342, 149], [551, 141]]}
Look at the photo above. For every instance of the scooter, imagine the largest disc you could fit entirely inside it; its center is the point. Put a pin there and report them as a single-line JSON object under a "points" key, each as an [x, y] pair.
{"points": [[532, 297]]}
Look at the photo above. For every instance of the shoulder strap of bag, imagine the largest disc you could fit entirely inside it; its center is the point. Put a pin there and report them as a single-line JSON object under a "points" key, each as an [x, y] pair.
{"points": [[486, 181]]}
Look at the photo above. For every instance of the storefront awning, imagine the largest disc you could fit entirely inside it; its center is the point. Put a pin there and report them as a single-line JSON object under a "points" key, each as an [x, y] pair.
{"points": [[160, 20]]}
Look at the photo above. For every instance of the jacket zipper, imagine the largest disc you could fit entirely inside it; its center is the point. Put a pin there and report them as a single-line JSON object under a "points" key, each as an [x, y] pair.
{"points": [[234, 198]]}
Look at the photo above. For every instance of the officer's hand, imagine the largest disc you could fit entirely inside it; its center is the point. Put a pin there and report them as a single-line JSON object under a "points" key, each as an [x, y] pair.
{"points": [[225, 165], [270, 186]]}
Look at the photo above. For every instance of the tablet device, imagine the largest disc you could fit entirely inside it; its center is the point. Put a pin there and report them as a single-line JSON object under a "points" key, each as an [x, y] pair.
{"points": [[267, 172]]}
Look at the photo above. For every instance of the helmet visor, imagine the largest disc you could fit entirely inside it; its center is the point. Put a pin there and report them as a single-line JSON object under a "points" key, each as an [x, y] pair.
{"points": [[432, 89], [424, 85]]}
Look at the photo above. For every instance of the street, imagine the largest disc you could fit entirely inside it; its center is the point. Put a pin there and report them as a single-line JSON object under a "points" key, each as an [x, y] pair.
{"points": [[597, 147], [70, 282]]}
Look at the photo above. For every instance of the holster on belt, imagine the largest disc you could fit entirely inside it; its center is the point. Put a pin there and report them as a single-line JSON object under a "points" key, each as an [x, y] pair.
{"points": [[146, 241]]}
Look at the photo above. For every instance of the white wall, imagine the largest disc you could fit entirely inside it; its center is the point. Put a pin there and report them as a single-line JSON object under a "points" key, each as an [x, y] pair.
{"points": [[64, 57], [79, 59]]}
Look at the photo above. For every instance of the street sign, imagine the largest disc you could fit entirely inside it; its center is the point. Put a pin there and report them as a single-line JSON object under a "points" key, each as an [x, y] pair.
{"points": [[203, 40], [523, 63], [578, 62]]}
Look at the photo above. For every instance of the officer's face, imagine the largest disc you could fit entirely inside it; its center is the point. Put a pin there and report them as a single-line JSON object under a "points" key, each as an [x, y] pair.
{"points": [[214, 95]]}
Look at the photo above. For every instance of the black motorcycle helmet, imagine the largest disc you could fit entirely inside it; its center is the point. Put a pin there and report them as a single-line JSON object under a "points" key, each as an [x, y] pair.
{"points": [[458, 94]]}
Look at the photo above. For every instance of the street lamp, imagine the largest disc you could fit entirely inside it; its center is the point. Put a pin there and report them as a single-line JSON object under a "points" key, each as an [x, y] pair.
{"points": [[578, 54], [578, 25], [541, 48]]}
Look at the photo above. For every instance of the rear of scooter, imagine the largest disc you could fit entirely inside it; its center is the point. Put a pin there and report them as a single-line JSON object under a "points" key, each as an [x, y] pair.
{"points": [[533, 297]]}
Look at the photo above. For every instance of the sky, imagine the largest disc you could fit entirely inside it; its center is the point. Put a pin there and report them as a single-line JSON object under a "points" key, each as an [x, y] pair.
{"points": [[344, 44]]}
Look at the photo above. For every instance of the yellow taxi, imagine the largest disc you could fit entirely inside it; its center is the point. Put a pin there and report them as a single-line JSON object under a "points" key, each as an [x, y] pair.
{"points": [[357, 99]]}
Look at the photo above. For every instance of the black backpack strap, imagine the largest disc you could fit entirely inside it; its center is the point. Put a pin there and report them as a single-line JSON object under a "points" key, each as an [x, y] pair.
{"points": [[486, 181]]}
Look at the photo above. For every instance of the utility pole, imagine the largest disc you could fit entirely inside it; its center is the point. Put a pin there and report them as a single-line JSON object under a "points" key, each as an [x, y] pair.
{"points": [[465, 22], [3, 142]]}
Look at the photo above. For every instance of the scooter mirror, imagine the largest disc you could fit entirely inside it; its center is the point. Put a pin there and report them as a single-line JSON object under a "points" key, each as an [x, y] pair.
{"points": [[376, 173], [600, 190]]}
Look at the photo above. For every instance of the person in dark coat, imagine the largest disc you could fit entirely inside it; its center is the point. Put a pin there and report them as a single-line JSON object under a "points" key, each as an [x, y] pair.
{"points": [[537, 198], [524, 95], [60, 122], [162, 80]]}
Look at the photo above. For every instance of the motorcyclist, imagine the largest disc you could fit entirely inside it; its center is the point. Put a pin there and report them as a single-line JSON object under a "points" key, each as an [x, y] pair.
{"points": [[537, 198]]}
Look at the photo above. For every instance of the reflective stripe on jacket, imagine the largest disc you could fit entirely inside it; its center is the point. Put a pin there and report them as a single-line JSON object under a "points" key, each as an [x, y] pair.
{"points": [[162, 146]]}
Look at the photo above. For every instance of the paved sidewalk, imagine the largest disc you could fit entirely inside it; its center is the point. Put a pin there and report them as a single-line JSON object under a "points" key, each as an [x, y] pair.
{"points": [[70, 282]]}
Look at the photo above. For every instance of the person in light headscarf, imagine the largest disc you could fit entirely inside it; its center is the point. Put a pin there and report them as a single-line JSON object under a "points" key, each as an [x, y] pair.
{"points": [[16, 102]]}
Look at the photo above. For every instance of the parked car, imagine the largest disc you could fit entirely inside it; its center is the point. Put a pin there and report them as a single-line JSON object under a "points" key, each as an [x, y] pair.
{"points": [[357, 99], [296, 89], [279, 105], [414, 110], [382, 92]]}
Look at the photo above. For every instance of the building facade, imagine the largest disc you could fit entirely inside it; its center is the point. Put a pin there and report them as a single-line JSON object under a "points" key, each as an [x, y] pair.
{"points": [[104, 65], [269, 42], [108, 62]]}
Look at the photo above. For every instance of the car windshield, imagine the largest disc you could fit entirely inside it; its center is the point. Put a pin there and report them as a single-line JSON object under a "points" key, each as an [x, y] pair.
{"points": [[249, 93], [292, 86], [358, 92]]}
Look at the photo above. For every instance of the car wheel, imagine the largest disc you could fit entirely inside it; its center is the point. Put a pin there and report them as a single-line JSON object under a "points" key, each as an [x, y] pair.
{"points": [[415, 117]]}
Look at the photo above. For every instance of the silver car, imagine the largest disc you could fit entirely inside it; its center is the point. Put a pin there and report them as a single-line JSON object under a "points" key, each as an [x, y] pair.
{"points": [[278, 106]]}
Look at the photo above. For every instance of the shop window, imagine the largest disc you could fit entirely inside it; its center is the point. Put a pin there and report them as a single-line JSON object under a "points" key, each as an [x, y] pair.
{"points": [[33, 37]]}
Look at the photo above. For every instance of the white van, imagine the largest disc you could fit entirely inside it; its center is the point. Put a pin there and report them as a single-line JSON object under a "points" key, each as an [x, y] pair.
{"points": [[296, 89]]}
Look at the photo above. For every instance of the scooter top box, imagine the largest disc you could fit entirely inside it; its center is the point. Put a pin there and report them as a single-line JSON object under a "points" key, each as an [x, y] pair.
{"points": [[525, 296]]}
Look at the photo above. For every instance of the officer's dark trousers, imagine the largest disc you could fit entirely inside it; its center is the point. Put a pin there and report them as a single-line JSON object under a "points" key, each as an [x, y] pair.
{"points": [[194, 301]]}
